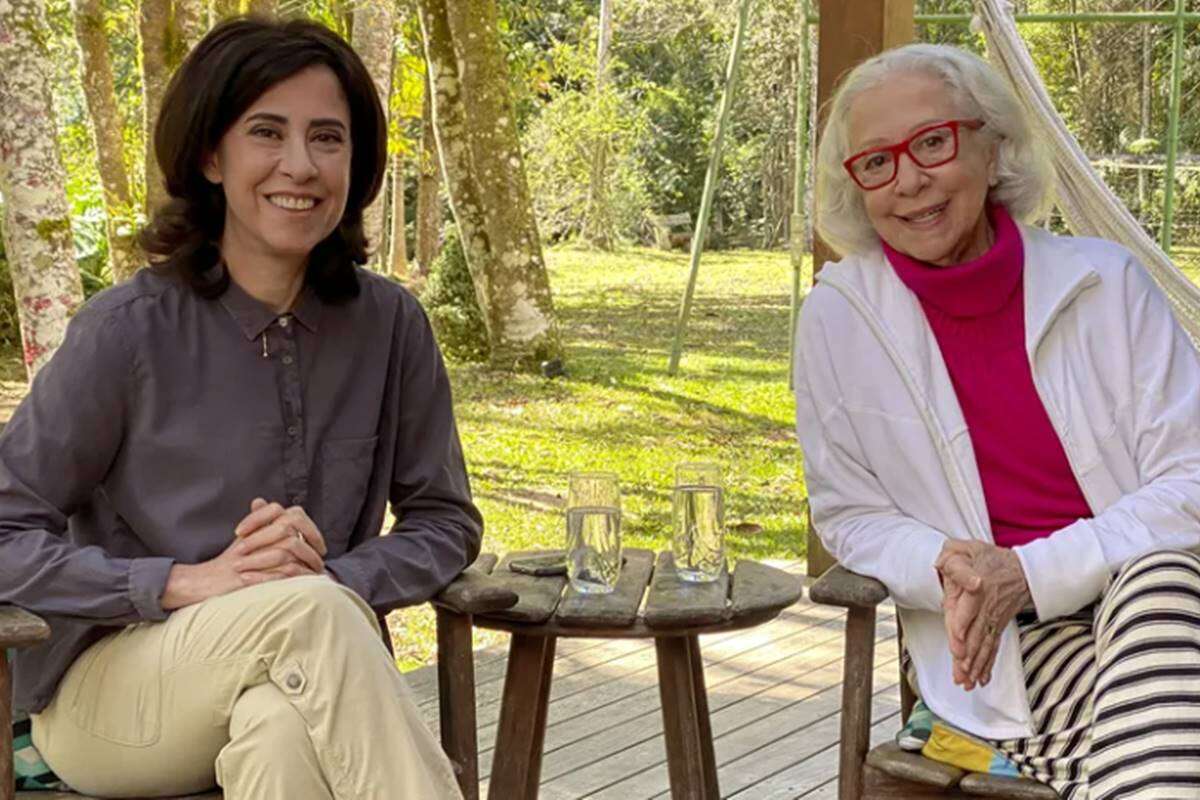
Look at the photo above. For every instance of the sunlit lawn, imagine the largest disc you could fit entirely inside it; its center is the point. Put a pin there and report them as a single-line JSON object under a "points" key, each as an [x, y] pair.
{"points": [[617, 409]]}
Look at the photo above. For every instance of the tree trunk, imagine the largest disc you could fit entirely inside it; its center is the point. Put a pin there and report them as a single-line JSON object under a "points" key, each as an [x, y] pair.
{"points": [[429, 184], [265, 8], [399, 256], [192, 21], [37, 223], [374, 23], [154, 28], [224, 9], [475, 123], [98, 89], [599, 225]]}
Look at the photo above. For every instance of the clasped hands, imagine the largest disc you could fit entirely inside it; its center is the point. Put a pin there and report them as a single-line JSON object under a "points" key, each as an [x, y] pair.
{"points": [[270, 543], [984, 587]]}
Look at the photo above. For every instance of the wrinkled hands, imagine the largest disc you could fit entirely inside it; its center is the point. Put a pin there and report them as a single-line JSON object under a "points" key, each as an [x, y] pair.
{"points": [[984, 588], [270, 543]]}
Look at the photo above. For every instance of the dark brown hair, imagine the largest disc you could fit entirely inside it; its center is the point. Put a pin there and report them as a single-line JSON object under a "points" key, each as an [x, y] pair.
{"points": [[221, 78]]}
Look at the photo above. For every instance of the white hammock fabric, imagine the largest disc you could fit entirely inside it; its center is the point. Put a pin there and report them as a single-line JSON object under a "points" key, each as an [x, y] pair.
{"points": [[1085, 200]]}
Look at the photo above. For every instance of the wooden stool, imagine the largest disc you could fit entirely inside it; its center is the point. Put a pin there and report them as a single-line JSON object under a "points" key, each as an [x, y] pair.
{"points": [[676, 612], [887, 771]]}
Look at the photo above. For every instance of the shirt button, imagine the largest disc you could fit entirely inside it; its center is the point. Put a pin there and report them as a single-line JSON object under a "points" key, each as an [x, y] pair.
{"points": [[283, 322], [287, 359], [292, 430], [293, 681]]}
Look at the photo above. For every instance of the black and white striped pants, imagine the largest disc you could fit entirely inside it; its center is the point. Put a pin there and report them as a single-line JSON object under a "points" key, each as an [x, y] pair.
{"points": [[1115, 689]]}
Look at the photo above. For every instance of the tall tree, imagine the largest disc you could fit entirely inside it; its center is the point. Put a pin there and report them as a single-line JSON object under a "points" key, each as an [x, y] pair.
{"points": [[599, 224], [373, 37], [266, 8], [98, 89], [154, 28], [37, 225], [475, 123], [429, 188], [223, 9], [398, 259], [192, 19]]}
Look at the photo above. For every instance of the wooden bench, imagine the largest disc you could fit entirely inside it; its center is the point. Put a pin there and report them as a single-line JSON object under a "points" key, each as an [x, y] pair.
{"points": [[473, 592], [672, 231], [887, 771]]}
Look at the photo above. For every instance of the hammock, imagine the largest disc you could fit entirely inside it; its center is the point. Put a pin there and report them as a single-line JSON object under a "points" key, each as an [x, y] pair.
{"points": [[1085, 200]]}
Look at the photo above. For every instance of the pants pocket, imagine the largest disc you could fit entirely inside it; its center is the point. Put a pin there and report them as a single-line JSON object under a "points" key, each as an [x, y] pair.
{"points": [[114, 690]]}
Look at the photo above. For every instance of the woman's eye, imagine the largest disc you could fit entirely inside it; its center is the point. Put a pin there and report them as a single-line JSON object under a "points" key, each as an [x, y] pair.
{"points": [[934, 141], [265, 132], [877, 161], [328, 138]]}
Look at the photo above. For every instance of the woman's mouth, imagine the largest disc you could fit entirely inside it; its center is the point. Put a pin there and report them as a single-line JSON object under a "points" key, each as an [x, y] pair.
{"points": [[925, 217], [294, 204]]}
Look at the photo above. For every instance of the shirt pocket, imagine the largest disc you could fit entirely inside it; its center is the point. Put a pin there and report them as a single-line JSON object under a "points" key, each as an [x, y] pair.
{"points": [[346, 466]]}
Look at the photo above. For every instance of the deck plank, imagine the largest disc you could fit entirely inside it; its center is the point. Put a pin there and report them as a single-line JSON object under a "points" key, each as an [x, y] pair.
{"points": [[774, 696]]}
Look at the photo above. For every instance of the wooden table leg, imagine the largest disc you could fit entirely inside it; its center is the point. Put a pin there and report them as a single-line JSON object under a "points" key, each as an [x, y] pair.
{"points": [[456, 698], [856, 702], [7, 780], [690, 761], [517, 760]]}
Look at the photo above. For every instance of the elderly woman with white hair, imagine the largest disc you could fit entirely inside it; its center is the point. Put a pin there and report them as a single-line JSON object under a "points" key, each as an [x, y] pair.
{"points": [[1003, 426]]}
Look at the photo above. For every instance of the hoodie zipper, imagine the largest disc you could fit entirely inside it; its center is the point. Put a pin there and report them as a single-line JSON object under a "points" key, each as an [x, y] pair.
{"points": [[950, 464]]}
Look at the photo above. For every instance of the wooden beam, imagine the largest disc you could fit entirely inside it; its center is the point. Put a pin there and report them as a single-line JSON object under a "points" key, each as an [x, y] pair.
{"points": [[851, 31]]}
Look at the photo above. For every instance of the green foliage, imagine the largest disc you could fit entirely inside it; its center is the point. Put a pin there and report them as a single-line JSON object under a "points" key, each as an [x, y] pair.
{"points": [[449, 299], [10, 329], [561, 143]]}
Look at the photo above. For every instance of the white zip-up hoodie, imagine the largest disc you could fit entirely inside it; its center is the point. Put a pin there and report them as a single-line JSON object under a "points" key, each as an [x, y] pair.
{"points": [[890, 469]]}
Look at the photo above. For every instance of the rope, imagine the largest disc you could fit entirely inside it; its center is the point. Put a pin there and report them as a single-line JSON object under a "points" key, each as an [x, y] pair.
{"points": [[1087, 203]]}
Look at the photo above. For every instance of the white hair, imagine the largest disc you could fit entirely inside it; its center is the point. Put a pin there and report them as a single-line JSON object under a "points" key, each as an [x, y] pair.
{"points": [[1024, 174]]}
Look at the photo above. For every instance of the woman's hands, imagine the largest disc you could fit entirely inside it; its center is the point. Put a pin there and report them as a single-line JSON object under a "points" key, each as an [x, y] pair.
{"points": [[270, 543], [984, 588]]}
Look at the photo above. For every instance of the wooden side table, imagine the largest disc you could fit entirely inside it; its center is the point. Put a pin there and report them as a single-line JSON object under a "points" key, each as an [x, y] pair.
{"points": [[675, 613]]}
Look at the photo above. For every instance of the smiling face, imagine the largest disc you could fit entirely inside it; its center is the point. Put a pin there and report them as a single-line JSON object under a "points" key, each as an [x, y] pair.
{"points": [[284, 166], [936, 214]]}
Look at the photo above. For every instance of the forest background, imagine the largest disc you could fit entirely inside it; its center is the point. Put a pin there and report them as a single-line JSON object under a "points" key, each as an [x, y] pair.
{"points": [[614, 107]]}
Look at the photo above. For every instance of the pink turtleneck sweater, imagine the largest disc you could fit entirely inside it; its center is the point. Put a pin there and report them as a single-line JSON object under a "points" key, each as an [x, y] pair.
{"points": [[976, 311]]}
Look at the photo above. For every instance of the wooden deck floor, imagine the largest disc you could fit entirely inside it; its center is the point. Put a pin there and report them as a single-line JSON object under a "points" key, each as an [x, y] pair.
{"points": [[774, 694]]}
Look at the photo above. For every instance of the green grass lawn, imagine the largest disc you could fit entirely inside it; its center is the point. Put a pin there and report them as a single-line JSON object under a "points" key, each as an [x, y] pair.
{"points": [[618, 409]]}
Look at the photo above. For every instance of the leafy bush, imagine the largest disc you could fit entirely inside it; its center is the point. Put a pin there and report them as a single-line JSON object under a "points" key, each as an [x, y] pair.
{"points": [[449, 299]]}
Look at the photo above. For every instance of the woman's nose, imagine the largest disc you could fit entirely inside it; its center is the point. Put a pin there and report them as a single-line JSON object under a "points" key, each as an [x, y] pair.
{"points": [[296, 162], [910, 178]]}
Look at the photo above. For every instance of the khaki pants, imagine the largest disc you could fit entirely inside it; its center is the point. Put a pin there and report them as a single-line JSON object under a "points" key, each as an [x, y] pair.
{"points": [[279, 691]]}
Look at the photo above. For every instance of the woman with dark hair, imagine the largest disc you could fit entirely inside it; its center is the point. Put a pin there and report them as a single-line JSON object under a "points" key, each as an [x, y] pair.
{"points": [[192, 491]]}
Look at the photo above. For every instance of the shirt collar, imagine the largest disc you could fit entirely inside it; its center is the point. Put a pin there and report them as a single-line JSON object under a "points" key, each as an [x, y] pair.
{"points": [[254, 317]]}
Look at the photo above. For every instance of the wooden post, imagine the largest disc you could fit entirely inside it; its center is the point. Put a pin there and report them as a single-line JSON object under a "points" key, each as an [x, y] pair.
{"points": [[856, 701], [456, 698], [7, 779], [851, 31]]}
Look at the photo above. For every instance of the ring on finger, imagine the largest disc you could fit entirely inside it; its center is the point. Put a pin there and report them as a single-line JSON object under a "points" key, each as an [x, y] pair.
{"points": [[296, 532]]}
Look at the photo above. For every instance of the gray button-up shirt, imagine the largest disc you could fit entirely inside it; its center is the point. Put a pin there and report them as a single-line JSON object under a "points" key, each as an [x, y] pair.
{"points": [[163, 414]]}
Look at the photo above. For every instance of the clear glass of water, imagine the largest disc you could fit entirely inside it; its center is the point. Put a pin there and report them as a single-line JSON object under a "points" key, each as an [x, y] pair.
{"points": [[699, 522], [593, 531]]}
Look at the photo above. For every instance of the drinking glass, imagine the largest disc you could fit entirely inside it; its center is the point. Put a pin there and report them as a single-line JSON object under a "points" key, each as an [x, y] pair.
{"points": [[699, 521], [593, 531]]}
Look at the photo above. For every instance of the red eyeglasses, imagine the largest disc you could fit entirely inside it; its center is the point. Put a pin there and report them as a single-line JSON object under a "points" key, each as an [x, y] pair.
{"points": [[931, 146]]}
